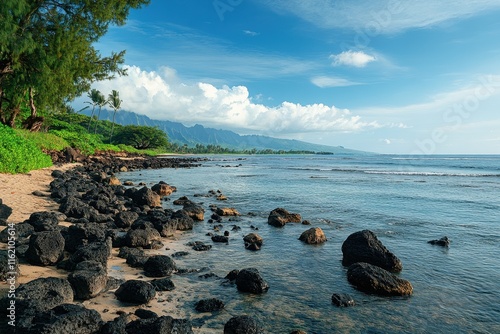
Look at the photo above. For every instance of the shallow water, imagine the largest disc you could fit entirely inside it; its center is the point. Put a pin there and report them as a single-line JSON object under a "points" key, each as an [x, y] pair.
{"points": [[406, 201]]}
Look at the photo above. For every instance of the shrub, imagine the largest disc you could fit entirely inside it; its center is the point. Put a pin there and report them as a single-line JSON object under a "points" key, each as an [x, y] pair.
{"points": [[87, 143], [44, 140], [19, 155]]}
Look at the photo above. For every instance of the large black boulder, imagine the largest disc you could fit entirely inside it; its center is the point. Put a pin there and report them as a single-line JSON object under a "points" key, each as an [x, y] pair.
{"points": [[145, 238], [126, 218], [364, 246], [144, 196], [45, 248], [88, 279], [161, 325], [40, 295], [62, 319], [44, 220], [22, 230], [135, 292], [163, 284], [5, 211], [372, 279], [83, 234], [159, 266], [96, 251], [76, 208], [242, 324], [250, 280], [9, 266]]}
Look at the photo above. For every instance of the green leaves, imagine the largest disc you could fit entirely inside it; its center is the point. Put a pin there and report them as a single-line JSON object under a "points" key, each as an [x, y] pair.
{"points": [[141, 137], [18, 155], [47, 46]]}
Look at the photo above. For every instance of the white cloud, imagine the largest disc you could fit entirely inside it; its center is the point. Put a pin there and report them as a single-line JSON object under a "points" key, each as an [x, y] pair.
{"points": [[461, 101], [352, 58], [324, 81], [162, 95], [250, 33], [382, 16]]}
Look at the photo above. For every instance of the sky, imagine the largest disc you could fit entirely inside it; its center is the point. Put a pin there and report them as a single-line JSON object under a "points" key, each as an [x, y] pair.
{"points": [[386, 76]]}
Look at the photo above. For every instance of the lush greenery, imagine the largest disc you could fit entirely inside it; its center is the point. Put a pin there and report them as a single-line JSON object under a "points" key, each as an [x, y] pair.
{"points": [[18, 154], [141, 137], [217, 149], [74, 129], [47, 54]]}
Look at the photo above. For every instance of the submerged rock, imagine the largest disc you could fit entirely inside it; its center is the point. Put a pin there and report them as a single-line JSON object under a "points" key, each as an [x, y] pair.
{"points": [[372, 279], [444, 242], [364, 246], [342, 300]]}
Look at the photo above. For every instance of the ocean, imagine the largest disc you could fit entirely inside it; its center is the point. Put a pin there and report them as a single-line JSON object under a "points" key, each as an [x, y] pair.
{"points": [[405, 200]]}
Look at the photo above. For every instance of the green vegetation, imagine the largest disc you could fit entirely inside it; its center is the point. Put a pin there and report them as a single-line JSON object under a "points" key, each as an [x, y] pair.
{"points": [[141, 137], [217, 149], [47, 54], [18, 154]]}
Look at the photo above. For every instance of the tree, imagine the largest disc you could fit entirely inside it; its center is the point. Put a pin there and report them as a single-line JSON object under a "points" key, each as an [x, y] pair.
{"points": [[47, 55], [101, 102], [93, 95], [141, 137], [115, 103]]}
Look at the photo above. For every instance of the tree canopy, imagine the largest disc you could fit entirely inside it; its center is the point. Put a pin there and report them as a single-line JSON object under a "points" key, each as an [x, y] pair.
{"points": [[141, 137], [46, 52]]}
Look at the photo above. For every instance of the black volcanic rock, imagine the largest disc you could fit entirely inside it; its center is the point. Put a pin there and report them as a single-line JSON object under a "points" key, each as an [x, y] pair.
{"points": [[364, 246]]}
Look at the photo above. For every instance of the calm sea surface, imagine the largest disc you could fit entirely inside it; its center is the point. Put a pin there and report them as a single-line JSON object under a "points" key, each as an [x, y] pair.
{"points": [[406, 201]]}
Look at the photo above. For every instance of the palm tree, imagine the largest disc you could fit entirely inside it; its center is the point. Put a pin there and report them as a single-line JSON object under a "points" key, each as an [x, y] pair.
{"points": [[93, 95], [101, 102], [115, 103]]}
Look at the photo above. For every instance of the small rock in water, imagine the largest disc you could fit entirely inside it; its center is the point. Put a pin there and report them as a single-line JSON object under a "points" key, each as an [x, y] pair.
{"points": [[444, 241], [342, 300]]}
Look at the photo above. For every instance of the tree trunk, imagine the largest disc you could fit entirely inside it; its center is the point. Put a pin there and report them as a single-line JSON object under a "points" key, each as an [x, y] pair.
{"points": [[12, 119], [32, 103]]}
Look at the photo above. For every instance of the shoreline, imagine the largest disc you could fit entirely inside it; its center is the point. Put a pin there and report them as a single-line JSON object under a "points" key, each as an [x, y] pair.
{"points": [[17, 192]]}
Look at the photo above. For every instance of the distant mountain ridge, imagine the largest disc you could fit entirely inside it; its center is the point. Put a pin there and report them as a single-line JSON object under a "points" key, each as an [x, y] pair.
{"points": [[198, 134]]}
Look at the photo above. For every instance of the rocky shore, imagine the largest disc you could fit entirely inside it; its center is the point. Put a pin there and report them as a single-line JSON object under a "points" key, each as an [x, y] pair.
{"points": [[97, 222]]}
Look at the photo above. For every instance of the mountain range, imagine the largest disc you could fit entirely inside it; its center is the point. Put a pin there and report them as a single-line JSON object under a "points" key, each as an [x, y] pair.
{"points": [[198, 134]]}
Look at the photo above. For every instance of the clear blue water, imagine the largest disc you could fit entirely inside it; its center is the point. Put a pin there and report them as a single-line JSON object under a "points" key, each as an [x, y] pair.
{"points": [[406, 201]]}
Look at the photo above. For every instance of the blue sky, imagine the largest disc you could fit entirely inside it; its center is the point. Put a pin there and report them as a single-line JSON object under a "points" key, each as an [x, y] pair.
{"points": [[388, 76]]}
